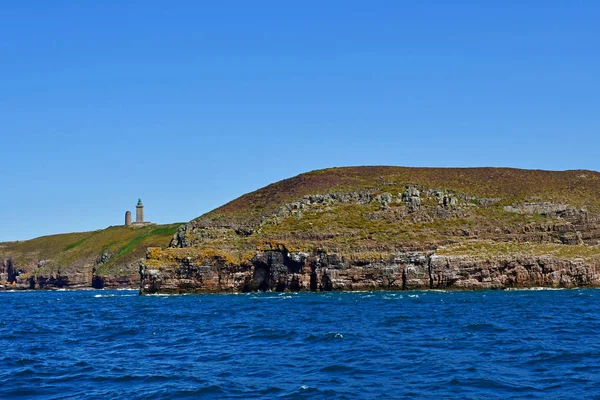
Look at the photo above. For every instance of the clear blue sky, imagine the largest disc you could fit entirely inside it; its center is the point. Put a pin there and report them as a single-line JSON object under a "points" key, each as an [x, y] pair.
{"points": [[189, 104]]}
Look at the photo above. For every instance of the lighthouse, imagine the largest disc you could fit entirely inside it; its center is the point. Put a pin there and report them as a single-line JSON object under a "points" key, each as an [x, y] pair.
{"points": [[139, 216], [139, 212]]}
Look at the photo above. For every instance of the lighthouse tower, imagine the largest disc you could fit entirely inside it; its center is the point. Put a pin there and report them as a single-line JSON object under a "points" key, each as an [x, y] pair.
{"points": [[128, 218], [139, 216], [139, 212]]}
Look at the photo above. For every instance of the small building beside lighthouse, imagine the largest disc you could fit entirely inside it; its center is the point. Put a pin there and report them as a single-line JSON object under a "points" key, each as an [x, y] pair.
{"points": [[127, 218], [139, 216]]}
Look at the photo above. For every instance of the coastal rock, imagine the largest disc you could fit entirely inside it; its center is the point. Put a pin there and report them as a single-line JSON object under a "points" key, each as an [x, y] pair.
{"points": [[280, 270]]}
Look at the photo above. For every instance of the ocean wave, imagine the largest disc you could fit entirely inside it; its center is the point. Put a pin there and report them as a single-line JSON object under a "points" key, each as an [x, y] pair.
{"points": [[489, 344]]}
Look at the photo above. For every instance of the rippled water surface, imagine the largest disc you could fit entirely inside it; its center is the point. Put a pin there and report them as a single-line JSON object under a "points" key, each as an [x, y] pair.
{"points": [[116, 344]]}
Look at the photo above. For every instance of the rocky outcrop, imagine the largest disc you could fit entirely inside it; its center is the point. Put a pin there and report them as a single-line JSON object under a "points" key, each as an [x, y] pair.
{"points": [[8, 271], [548, 209], [280, 270], [411, 196]]}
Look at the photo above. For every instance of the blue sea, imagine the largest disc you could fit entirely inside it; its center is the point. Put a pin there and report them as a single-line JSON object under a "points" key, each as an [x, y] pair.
{"points": [[375, 345]]}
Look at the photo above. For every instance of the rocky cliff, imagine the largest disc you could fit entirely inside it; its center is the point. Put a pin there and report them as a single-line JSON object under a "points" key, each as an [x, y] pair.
{"points": [[280, 270], [365, 228]]}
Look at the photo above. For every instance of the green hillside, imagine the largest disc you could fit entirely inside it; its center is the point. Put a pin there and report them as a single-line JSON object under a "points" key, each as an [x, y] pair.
{"points": [[112, 251]]}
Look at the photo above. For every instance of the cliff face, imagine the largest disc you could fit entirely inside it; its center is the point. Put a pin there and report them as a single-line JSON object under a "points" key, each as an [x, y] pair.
{"points": [[370, 228], [104, 258], [280, 270]]}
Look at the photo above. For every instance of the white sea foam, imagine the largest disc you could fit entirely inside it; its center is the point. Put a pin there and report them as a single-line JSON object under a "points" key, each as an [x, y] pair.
{"points": [[534, 289], [355, 291]]}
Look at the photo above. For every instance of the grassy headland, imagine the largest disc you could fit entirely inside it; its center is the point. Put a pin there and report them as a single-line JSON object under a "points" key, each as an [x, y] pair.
{"points": [[113, 251]]}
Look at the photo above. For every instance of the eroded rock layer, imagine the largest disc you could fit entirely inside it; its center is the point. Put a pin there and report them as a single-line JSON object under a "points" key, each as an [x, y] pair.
{"points": [[280, 270]]}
